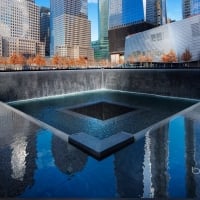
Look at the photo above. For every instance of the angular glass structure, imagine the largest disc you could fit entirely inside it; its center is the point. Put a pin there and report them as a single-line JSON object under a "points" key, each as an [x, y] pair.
{"points": [[160, 40], [70, 29]]}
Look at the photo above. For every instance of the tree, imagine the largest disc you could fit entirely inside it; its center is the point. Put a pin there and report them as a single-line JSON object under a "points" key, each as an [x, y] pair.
{"points": [[56, 60], [16, 59], [30, 61], [186, 56], [169, 57], [3, 61], [131, 59], [39, 60]]}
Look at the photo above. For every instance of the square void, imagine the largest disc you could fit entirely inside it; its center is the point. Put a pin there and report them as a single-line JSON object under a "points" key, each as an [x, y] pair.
{"points": [[103, 110]]}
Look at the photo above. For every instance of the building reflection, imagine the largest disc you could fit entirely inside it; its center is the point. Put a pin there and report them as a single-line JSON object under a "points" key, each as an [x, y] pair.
{"points": [[129, 170], [17, 153], [158, 157], [192, 124], [165, 163], [68, 158]]}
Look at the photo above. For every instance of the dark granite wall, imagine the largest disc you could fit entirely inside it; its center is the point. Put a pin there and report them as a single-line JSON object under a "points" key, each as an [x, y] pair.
{"points": [[178, 83], [33, 84], [26, 85]]}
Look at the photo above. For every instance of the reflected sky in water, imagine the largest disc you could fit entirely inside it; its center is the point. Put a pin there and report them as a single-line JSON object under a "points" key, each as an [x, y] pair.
{"points": [[165, 163]]}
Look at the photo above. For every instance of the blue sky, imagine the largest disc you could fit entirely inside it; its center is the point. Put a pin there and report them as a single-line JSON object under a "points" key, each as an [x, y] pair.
{"points": [[173, 11]]}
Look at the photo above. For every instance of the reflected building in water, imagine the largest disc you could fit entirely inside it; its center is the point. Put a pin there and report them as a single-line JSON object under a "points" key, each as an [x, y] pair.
{"points": [[17, 154], [71, 160], [156, 165]]}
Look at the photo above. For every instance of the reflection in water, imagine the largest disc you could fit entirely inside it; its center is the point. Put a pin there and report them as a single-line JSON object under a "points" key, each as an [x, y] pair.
{"points": [[129, 170], [190, 147], [18, 158], [159, 159], [148, 189], [17, 153], [176, 161], [38, 164], [196, 126], [68, 159]]}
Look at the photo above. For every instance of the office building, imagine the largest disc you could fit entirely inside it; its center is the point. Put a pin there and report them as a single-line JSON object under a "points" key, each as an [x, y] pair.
{"points": [[177, 36], [103, 10], [70, 29], [45, 28], [128, 17], [19, 23], [190, 8]]}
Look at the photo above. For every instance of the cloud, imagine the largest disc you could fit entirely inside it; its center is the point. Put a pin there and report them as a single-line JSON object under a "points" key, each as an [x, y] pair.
{"points": [[92, 1]]}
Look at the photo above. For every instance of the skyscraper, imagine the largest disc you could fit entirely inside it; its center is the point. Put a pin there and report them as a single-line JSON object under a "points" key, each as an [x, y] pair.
{"points": [[70, 29], [45, 28], [19, 24], [190, 8], [103, 9], [128, 17]]}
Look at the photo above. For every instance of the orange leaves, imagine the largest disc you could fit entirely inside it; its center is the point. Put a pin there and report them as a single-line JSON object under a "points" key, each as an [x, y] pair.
{"points": [[169, 57], [186, 56], [39, 60], [17, 59]]}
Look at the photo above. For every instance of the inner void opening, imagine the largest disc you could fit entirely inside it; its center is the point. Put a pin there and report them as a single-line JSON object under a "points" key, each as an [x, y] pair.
{"points": [[103, 110]]}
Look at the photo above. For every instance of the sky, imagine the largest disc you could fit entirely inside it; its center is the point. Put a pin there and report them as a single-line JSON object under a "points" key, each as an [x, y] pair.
{"points": [[174, 11]]}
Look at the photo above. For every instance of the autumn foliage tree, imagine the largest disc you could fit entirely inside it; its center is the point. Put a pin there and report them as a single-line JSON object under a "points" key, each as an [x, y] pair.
{"points": [[186, 56], [56, 60], [39, 60], [131, 59], [17, 59], [3, 61], [145, 59], [169, 57]]}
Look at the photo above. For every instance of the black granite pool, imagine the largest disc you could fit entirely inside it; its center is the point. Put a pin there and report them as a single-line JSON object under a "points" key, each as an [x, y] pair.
{"points": [[34, 162], [103, 121], [102, 113]]}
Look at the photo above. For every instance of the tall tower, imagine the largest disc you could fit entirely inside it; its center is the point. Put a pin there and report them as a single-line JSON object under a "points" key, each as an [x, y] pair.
{"points": [[128, 17], [190, 8], [70, 29], [186, 7], [103, 9], [20, 29], [45, 28]]}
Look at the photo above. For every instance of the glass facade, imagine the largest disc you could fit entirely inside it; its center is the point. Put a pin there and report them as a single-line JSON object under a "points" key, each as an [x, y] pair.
{"points": [[190, 8], [125, 12], [20, 27], [128, 17], [70, 29], [158, 41], [45, 29], [195, 8], [103, 8]]}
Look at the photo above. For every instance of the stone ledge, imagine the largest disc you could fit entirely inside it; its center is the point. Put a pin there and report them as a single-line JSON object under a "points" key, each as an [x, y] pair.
{"points": [[101, 148]]}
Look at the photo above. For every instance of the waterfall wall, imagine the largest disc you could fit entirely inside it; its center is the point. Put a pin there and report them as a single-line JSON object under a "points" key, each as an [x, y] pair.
{"points": [[34, 84]]}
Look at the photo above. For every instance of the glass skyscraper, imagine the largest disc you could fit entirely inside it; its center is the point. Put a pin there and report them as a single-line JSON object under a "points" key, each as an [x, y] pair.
{"points": [[103, 9], [126, 12], [45, 28], [128, 17], [190, 8], [70, 29]]}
